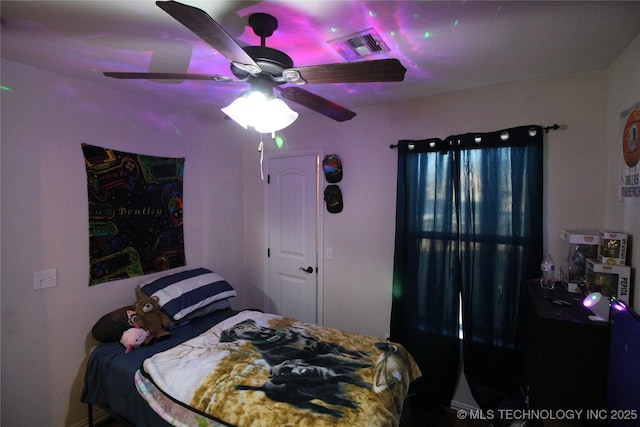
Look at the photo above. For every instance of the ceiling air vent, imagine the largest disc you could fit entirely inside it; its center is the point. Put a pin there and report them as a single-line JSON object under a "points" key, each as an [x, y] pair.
{"points": [[360, 44]]}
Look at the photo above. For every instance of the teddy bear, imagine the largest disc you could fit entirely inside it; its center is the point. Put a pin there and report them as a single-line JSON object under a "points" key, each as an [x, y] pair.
{"points": [[150, 318]]}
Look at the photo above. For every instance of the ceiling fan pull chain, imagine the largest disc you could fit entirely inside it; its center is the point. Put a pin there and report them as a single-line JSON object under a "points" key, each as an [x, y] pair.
{"points": [[261, 151]]}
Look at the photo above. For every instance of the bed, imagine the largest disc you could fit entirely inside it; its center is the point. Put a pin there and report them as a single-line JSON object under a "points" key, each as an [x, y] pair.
{"points": [[249, 368]]}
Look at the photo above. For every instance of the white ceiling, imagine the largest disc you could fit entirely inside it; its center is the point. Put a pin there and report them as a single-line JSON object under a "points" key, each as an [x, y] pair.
{"points": [[445, 45]]}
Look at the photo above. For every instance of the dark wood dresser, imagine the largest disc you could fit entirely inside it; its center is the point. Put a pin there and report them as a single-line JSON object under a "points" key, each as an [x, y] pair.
{"points": [[567, 353]]}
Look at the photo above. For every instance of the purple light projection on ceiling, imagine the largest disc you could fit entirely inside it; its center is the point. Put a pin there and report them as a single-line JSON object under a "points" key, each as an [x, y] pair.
{"points": [[445, 45], [305, 28], [164, 45]]}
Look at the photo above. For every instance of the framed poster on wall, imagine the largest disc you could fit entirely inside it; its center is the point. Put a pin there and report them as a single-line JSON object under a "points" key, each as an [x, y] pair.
{"points": [[630, 173]]}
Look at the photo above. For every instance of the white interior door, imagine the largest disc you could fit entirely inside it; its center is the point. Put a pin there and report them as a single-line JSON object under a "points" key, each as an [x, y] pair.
{"points": [[292, 253]]}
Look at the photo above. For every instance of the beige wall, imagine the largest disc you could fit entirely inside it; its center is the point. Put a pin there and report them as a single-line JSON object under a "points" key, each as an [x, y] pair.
{"points": [[623, 93], [45, 117], [357, 291]]}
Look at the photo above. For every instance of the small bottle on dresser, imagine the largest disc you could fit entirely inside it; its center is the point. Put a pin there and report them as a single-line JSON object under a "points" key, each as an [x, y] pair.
{"points": [[548, 269]]}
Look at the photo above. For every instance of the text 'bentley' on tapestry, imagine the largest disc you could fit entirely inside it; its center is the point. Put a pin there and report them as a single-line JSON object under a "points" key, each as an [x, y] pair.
{"points": [[135, 213]]}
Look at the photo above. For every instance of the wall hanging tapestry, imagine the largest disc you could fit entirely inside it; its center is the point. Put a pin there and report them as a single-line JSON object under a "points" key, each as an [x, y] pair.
{"points": [[135, 213]]}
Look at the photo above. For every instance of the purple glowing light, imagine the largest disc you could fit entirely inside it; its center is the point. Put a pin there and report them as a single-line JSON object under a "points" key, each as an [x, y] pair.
{"points": [[591, 299], [599, 305], [618, 305]]}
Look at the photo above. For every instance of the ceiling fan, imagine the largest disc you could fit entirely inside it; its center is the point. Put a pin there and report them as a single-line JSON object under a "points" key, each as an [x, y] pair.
{"points": [[265, 68]]}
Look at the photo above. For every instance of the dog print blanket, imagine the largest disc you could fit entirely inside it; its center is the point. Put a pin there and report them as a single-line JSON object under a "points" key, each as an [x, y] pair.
{"points": [[257, 369]]}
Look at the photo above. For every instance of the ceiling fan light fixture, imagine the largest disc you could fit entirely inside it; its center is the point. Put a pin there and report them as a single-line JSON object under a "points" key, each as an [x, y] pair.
{"points": [[236, 111], [265, 113], [278, 116]]}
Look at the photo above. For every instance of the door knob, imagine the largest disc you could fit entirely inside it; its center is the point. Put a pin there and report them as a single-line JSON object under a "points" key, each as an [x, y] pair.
{"points": [[307, 270]]}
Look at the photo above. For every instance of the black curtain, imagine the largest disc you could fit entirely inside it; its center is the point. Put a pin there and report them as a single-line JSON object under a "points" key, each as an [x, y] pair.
{"points": [[469, 234]]}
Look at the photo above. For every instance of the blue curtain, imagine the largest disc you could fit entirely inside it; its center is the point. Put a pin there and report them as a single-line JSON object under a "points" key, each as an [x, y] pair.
{"points": [[469, 234]]}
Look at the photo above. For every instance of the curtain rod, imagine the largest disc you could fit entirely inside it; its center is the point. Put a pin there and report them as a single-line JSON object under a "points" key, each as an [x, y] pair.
{"points": [[546, 129]]}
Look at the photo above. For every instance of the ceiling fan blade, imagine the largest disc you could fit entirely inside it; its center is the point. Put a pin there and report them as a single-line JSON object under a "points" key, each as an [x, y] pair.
{"points": [[168, 76], [317, 103], [379, 70], [200, 23]]}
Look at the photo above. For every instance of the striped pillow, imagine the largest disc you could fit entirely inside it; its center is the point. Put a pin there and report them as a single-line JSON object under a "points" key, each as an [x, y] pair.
{"points": [[182, 293]]}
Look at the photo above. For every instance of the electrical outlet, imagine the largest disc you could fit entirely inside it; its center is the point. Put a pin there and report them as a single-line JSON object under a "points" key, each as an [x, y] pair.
{"points": [[45, 279]]}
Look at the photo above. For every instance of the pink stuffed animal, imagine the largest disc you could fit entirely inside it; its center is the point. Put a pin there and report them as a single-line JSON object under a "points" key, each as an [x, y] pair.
{"points": [[133, 337]]}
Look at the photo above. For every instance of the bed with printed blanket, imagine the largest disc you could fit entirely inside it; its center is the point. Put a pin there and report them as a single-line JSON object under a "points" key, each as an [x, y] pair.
{"points": [[220, 366], [258, 369]]}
